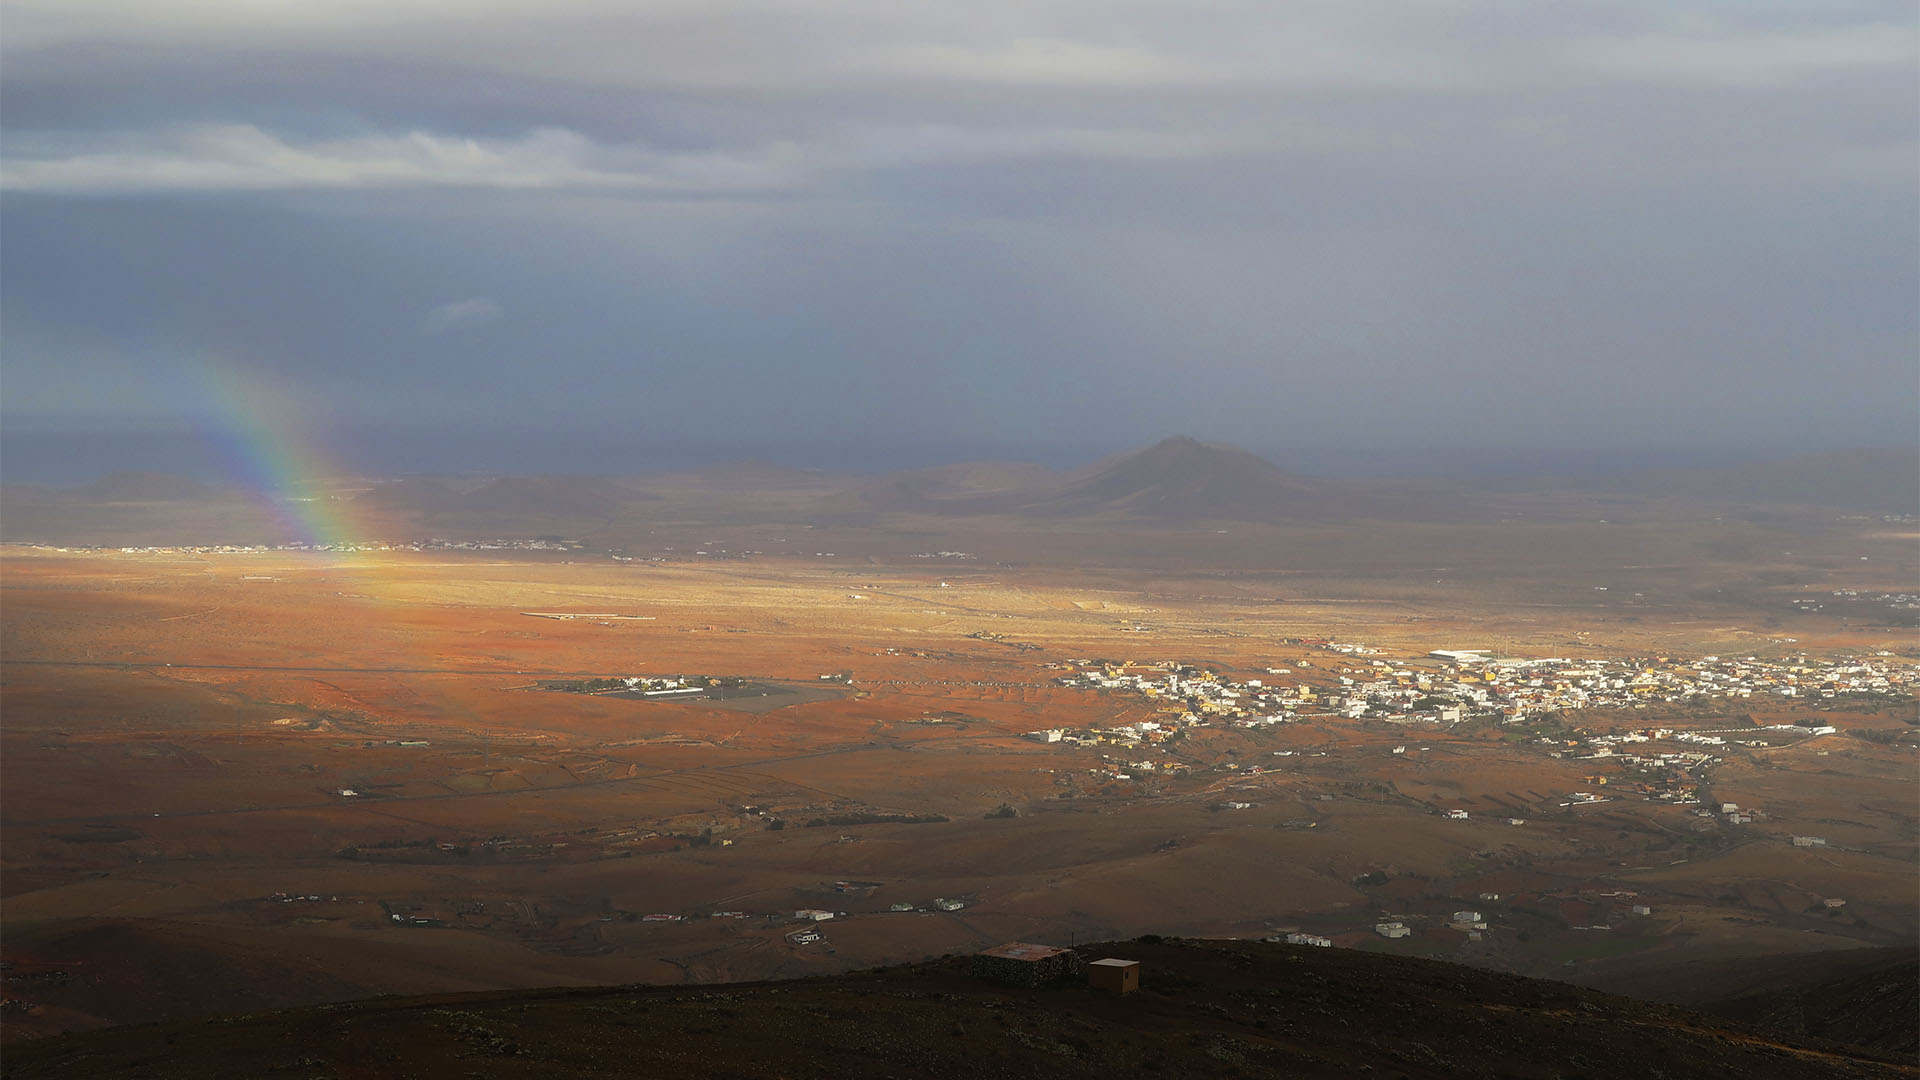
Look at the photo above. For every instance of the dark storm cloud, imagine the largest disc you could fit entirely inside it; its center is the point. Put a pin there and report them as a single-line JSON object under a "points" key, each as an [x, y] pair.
{"points": [[1470, 229]]}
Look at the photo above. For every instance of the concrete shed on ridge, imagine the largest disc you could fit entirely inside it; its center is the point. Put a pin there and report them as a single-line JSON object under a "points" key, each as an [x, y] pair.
{"points": [[1118, 976]]}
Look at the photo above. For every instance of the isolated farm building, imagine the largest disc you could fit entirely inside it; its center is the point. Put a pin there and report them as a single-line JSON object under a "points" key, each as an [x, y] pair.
{"points": [[945, 904], [1391, 929], [1021, 964], [1118, 976], [813, 914]]}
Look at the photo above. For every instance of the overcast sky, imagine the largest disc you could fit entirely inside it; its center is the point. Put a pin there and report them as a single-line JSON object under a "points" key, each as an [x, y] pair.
{"points": [[601, 235]]}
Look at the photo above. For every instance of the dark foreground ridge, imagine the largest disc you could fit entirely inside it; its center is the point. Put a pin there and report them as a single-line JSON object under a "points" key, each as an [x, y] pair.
{"points": [[1206, 1008]]}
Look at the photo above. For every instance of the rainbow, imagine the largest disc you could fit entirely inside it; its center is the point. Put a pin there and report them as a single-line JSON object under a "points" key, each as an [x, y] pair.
{"points": [[268, 445]]}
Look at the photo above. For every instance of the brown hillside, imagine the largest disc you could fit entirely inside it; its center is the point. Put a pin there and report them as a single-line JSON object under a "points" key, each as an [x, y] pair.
{"points": [[1208, 1008]]}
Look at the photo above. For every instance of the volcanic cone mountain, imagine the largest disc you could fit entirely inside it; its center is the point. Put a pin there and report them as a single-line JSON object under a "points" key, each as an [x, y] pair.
{"points": [[1177, 479], [1184, 478]]}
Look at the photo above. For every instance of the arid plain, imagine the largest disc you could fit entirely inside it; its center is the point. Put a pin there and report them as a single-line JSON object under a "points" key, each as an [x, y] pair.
{"points": [[246, 779]]}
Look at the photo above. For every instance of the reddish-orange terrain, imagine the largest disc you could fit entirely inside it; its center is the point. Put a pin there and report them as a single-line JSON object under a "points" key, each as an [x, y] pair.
{"points": [[1179, 692], [237, 780]]}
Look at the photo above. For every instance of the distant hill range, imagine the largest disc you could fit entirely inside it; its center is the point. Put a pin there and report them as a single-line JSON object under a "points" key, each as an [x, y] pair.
{"points": [[1174, 482], [146, 487], [1879, 481], [1177, 479], [743, 476], [1884, 480], [969, 487], [1204, 1009], [505, 497], [1181, 478]]}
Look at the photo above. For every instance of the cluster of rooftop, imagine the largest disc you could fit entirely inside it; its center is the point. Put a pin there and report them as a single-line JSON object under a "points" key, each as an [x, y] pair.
{"points": [[1481, 686], [1475, 686]]}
